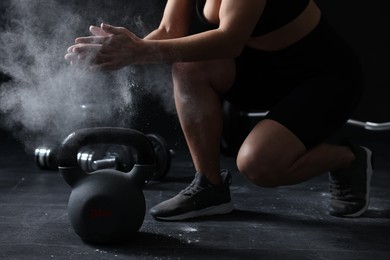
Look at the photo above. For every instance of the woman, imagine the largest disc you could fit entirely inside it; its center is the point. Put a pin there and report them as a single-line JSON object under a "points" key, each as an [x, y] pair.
{"points": [[276, 55]]}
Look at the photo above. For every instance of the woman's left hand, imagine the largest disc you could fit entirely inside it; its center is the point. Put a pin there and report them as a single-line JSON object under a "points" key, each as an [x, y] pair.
{"points": [[109, 48]]}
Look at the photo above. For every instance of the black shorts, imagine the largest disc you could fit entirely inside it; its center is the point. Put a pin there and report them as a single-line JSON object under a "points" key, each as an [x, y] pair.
{"points": [[311, 87]]}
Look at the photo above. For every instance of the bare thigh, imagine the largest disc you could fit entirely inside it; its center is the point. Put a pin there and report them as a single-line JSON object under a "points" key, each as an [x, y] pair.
{"points": [[217, 74], [268, 153]]}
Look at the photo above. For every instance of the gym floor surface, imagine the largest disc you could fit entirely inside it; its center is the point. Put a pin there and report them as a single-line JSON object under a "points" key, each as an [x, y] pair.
{"points": [[282, 223]]}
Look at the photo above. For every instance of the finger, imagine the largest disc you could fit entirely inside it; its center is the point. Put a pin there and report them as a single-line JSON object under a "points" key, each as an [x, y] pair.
{"points": [[112, 29], [97, 31], [91, 39], [71, 57], [70, 49], [86, 48]]}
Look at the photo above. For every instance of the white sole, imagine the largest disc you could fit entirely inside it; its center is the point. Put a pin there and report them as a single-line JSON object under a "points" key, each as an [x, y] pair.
{"points": [[369, 172], [214, 210]]}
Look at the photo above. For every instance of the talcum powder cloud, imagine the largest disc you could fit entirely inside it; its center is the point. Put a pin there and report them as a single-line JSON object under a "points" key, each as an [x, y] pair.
{"points": [[47, 98]]}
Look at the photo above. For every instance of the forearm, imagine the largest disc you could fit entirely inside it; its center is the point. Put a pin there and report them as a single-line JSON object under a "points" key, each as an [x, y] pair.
{"points": [[159, 34], [167, 32], [208, 45]]}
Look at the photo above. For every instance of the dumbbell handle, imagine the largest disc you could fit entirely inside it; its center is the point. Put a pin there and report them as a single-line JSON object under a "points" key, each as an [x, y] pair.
{"points": [[87, 163], [371, 125], [110, 162]]}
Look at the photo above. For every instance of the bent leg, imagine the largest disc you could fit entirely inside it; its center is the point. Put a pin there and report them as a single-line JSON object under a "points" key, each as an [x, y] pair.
{"points": [[272, 156], [196, 91]]}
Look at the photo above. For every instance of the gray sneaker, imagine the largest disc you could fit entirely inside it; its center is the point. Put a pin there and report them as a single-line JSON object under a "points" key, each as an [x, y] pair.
{"points": [[350, 188], [200, 198]]}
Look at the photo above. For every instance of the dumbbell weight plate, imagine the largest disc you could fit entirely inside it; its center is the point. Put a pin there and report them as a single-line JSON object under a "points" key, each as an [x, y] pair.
{"points": [[87, 155], [46, 157], [163, 156]]}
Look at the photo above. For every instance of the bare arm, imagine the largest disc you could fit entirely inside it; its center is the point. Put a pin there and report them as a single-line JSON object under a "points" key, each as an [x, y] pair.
{"points": [[175, 22], [169, 42], [237, 20]]}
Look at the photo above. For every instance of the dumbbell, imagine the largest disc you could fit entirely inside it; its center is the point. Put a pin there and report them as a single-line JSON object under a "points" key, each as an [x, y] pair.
{"points": [[108, 156], [90, 158]]}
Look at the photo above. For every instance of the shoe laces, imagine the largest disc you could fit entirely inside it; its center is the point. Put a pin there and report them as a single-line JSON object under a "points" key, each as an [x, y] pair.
{"points": [[339, 188], [192, 189], [198, 184]]}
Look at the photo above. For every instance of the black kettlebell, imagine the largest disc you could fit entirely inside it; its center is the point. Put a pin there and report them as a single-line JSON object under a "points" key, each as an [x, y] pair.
{"points": [[106, 206]]}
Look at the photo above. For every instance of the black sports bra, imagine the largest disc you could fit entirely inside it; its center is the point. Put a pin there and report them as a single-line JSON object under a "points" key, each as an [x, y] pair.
{"points": [[276, 14]]}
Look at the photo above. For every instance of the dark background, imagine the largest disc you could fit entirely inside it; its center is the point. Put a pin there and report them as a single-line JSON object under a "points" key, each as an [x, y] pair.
{"points": [[363, 23]]}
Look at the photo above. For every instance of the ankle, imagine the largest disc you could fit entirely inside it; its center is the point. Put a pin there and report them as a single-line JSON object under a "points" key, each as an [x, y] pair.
{"points": [[348, 159], [213, 179]]}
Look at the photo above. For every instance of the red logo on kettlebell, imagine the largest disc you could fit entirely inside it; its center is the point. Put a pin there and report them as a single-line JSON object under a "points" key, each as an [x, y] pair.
{"points": [[100, 213]]}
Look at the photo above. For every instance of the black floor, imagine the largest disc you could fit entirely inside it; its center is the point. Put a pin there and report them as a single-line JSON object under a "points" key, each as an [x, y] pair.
{"points": [[282, 223]]}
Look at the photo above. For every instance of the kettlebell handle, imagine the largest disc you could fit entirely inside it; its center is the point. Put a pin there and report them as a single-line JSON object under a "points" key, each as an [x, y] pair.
{"points": [[67, 155]]}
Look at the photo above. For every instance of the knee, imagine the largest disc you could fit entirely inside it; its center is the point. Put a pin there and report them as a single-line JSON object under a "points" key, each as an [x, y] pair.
{"points": [[261, 171], [185, 72]]}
